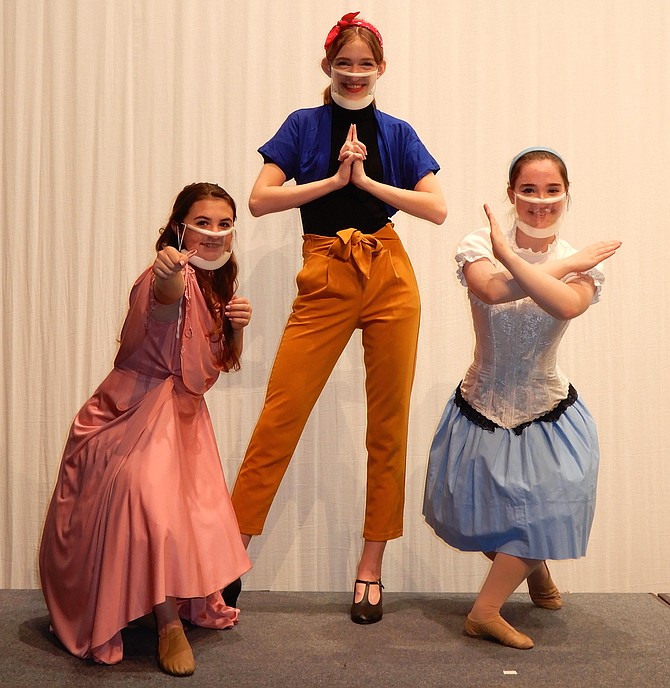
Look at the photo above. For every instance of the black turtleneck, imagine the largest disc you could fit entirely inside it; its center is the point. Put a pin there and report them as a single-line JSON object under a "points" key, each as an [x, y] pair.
{"points": [[349, 206]]}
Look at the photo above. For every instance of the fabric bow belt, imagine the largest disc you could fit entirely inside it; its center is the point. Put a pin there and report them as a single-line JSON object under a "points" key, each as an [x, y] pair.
{"points": [[361, 248]]}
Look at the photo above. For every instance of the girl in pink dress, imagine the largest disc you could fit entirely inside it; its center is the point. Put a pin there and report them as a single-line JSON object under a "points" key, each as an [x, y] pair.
{"points": [[140, 520]]}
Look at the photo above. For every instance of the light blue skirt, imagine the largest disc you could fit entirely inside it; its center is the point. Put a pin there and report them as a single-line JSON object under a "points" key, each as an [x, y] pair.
{"points": [[530, 495]]}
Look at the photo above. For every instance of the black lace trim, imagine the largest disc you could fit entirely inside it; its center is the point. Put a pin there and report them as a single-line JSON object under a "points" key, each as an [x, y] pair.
{"points": [[483, 422]]}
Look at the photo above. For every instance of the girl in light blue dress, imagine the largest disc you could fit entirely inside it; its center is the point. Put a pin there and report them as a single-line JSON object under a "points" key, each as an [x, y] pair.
{"points": [[514, 462]]}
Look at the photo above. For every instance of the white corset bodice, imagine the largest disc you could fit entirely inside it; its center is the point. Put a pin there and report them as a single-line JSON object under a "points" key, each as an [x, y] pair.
{"points": [[514, 377]]}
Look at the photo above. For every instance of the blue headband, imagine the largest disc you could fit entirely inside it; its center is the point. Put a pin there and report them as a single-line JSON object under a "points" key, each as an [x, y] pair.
{"points": [[532, 149]]}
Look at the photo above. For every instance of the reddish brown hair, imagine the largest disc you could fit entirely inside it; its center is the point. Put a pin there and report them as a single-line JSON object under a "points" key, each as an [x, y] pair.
{"points": [[346, 35], [217, 286]]}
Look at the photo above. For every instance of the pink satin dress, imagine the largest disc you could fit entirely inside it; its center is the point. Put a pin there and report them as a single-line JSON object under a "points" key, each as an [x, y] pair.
{"points": [[141, 510]]}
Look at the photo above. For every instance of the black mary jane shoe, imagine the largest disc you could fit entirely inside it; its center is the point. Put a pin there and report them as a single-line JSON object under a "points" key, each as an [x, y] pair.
{"points": [[231, 592], [363, 612]]}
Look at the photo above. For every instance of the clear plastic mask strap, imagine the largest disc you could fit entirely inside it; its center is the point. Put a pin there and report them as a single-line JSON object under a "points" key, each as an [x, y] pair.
{"points": [[180, 237]]}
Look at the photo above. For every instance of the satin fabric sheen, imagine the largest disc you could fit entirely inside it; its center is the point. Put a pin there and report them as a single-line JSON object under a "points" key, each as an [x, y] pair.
{"points": [[141, 510]]}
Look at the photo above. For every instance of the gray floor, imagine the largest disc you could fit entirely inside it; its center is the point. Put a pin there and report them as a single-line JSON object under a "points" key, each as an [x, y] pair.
{"points": [[306, 639]]}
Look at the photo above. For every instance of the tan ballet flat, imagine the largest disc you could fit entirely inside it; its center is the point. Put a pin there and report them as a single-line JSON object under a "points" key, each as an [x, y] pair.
{"points": [[548, 598], [175, 656], [545, 595], [498, 629]]}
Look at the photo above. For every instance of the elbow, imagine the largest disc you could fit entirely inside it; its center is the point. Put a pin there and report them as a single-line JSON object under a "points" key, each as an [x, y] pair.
{"points": [[256, 206], [438, 214], [261, 202], [491, 295], [573, 307], [568, 309], [567, 313]]}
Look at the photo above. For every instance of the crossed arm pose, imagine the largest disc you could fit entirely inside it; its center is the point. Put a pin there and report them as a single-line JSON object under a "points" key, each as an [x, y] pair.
{"points": [[542, 282], [514, 462]]}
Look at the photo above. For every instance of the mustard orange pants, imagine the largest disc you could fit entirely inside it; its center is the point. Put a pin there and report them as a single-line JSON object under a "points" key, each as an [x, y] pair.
{"points": [[351, 281]]}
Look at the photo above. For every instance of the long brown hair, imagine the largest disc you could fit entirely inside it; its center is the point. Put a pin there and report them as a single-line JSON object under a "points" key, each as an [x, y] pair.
{"points": [[347, 34], [217, 286]]}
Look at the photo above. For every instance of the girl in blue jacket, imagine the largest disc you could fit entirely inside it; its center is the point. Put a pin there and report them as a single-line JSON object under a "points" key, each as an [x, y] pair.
{"points": [[354, 168]]}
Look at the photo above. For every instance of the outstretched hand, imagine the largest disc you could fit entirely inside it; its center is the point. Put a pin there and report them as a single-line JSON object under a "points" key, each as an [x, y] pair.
{"points": [[589, 257], [169, 261], [238, 312]]}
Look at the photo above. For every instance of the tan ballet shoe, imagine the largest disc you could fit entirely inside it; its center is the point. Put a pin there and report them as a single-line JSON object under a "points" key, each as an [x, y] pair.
{"points": [[546, 594], [175, 656], [498, 629]]}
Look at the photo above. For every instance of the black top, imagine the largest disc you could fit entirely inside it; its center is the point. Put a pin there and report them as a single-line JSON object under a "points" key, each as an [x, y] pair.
{"points": [[349, 206]]}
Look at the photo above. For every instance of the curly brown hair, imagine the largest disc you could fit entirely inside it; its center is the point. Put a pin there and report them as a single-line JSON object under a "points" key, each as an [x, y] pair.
{"points": [[217, 286]]}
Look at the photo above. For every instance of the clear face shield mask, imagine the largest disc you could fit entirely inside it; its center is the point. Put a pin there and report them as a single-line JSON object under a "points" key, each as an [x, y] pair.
{"points": [[366, 80], [201, 262], [542, 207]]}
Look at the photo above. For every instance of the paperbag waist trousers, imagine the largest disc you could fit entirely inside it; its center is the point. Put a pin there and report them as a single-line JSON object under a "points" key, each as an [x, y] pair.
{"points": [[347, 282]]}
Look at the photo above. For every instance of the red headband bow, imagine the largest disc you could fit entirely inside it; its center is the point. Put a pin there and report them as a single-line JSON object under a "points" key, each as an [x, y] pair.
{"points": [[350, 20]]}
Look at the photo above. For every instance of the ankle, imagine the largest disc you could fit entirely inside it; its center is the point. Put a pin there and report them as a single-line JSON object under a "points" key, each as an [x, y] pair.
{"points": [[481, 613], [167, 626], [372, 586], [369, 574], [540, 576], [167, 615]]}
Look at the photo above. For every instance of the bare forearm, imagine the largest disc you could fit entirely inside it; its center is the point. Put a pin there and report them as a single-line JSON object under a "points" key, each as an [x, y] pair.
{"points": [[170, 290], [502, 287], [555, 297], [426, 205], [273, 199], [238, 341], [542, 283]]}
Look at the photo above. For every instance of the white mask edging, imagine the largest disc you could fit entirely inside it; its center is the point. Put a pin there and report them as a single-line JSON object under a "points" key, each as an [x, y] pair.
{"points": [[348, 103], [201, 262], [539, 232], [540, 201]]}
